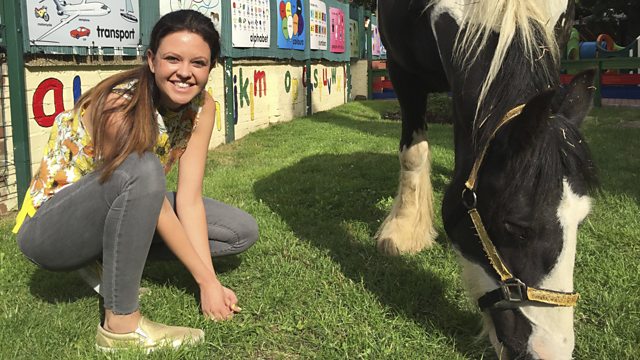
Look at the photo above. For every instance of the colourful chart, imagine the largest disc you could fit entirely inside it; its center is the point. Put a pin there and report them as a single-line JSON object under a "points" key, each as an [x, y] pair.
{"points": [[291, 24], [337, 30], [318, 21]]}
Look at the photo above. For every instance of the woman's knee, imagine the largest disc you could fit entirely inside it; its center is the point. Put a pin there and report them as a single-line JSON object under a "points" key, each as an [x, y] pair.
{"points": [[145, 172], [248, 233]]}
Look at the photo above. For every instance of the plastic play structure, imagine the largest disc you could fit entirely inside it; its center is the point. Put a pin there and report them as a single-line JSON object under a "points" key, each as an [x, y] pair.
{"points": [[381, 84], [618, 66]]}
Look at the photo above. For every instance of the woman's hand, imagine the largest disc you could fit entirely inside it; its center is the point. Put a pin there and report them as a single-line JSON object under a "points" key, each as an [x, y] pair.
{"points": [[218, 302]]}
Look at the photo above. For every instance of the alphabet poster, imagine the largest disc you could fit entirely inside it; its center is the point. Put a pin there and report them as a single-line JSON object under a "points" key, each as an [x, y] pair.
{"points": [[250, 23], [291, 24], [337, 30], [95, 23], [210, 8], [318, 21]]}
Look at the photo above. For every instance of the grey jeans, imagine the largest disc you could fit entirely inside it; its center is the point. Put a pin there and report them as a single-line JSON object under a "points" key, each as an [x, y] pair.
{"points": [[116, 221]]}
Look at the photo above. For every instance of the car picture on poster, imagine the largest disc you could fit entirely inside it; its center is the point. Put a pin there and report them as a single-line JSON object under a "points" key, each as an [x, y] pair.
{"points": [[95, 23]]}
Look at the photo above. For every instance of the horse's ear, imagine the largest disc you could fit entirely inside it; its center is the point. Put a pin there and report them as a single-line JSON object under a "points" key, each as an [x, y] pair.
{"points": [[578, 98], [524, 129]]}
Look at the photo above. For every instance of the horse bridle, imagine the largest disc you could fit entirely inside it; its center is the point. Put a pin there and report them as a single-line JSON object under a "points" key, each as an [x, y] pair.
{"points": [[512, 292]]}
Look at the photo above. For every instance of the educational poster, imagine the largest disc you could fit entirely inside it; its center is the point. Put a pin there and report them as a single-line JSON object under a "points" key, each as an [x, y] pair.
{"points": [[250, 23], [337, 30], [318, 28], [354, 39], [95, 23], [291, 23], [376, 43], [210, 8]]}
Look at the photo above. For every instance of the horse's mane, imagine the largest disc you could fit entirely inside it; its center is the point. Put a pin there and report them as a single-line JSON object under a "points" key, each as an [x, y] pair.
{"points": [[527, 21]]}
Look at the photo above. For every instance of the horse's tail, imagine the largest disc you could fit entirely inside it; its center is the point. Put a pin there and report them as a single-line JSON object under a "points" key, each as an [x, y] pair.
{"points": [[530, 21]]}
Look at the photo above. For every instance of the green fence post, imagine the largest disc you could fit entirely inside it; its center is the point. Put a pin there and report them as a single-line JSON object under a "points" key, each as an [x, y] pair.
{"points": [[367, 32], [17, 89], [348, 71], [229, 106], [309, 87]]}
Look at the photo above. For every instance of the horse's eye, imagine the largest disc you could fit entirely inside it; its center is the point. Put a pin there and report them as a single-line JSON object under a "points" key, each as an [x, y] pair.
{"points": [[518, 230]]}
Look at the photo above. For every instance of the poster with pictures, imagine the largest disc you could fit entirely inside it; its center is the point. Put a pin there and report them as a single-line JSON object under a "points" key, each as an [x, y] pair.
{"points": [[337, 30], [354, 38], [250, 23], [376, 43], [210, 8], [318, 22], [98, 23], [291, 24]]}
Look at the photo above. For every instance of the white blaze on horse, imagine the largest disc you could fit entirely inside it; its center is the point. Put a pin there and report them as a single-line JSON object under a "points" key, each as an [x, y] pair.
{"points": [[522, 169]]}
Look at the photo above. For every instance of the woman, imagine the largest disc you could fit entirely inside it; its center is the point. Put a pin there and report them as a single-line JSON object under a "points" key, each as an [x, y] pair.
{"points": [[100, 190]]}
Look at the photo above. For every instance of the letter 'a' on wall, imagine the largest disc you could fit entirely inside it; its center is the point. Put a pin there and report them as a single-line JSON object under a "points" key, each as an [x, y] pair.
{"points": [[95, 23], [55, 86]]}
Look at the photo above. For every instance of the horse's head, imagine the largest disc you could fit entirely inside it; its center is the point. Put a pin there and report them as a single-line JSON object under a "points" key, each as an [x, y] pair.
{"points": [[531, 195]]}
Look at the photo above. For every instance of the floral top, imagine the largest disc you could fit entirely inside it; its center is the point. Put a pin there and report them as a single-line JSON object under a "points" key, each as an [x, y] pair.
{"points": [[69, 154]]}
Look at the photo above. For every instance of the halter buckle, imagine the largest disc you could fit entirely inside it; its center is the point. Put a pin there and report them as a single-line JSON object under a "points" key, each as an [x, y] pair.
{"points": [[469, 198], [514, 290]]}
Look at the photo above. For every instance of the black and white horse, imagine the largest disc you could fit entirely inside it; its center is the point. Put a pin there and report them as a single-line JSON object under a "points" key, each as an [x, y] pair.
{"points": [[522, 170]]}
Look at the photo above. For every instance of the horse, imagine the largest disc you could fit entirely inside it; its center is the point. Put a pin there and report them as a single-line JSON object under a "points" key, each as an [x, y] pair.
{"points": [[523, 173]]}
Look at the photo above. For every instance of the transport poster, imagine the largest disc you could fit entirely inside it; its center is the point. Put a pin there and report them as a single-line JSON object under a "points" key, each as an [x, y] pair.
{"points": [[318, 22], [337, 30], [291, 24], [250, 23], [93, 23], [210, 8]]}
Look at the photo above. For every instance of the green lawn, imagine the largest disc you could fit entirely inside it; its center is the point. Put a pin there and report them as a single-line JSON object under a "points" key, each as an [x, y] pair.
{"points": [[314, 287]]}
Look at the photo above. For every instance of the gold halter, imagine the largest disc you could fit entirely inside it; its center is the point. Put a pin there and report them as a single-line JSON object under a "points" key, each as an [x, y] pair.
{"points": [[512, 290]]}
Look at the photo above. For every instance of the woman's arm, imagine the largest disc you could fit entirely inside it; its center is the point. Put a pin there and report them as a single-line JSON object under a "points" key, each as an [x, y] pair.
{"points": [[214, 299], [189, 206]]}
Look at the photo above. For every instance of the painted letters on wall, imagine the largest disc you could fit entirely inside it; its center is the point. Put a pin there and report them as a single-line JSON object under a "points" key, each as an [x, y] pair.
{"points": [[49, 85], [54, 89]]}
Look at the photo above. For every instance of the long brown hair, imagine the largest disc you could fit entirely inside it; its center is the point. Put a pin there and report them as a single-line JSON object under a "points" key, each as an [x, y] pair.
{"points": [[139, 130]]}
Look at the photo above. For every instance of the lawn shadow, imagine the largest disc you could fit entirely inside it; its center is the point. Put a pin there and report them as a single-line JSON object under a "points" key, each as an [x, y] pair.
{"points": [[317, 197], [58, 286], [437, 134], [66, 286]]}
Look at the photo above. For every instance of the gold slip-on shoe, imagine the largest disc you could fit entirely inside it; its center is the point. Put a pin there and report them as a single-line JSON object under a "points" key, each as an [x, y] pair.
{"points": [[148, 336]]}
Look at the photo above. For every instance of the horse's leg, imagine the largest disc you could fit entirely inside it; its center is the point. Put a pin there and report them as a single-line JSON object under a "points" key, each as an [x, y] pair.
{"points": [[409, 226]]}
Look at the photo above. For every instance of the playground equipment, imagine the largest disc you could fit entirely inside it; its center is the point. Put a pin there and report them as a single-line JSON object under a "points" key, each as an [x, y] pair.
{"points": [[381, 84], [618, 67]]}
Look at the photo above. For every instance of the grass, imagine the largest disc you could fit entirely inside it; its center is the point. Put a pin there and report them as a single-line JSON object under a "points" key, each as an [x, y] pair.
{"points": [[314, 287]]}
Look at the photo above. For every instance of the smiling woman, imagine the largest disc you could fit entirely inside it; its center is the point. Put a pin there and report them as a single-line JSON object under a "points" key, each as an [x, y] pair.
{"points": [[105, 165]]}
